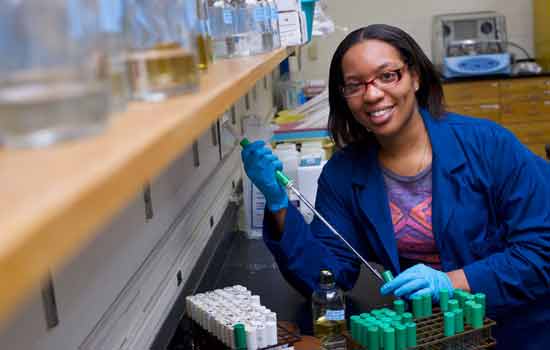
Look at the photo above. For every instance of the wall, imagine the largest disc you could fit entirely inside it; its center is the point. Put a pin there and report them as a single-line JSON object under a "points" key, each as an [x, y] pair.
{"points": [[415, 17]]}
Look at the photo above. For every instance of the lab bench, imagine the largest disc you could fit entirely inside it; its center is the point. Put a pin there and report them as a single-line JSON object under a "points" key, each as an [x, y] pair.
{"points": [[519, 103]]}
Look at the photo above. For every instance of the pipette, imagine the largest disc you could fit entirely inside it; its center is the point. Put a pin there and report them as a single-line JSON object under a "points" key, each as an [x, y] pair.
{"points": [[286, 182]]}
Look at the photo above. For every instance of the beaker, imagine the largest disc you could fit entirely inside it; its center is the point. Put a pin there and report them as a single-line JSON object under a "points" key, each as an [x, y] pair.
{"points": [[50, 89], [162, 58]]}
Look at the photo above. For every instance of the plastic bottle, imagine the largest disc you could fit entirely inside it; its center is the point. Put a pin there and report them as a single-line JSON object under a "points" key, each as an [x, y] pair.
{"points": [[329, 320]]}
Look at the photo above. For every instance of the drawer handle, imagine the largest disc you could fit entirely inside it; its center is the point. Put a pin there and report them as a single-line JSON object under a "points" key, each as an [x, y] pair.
{"points": [[48, 302], [196, 160]]}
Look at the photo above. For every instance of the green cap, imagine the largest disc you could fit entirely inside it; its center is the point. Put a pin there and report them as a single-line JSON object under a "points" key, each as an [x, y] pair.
{"points": [[391, 313], [417, 306], [459, 321], [448, 324], [244, 142], [400, 337], [453, 304], [444, 299], [468, 311], [389, 338], [373, 338], [354, 326], [481, 299], [239, 335], [364, 315], [406, 317], [427, 302], [477, 316], [387, 276], [411, 334], [399, 306]]}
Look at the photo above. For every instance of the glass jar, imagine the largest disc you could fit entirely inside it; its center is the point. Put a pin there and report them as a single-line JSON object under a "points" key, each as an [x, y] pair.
{"points": [[223, 21], [162, 58], [203, 35], [50, 88]]}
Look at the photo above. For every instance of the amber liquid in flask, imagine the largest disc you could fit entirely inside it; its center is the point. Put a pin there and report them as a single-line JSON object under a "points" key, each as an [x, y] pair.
{"points": [[41, 109], [163, 71]]}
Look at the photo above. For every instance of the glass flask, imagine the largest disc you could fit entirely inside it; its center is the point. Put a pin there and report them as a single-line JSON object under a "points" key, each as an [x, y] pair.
{"points": [[113, 29], [162, 58], [50, 56]]}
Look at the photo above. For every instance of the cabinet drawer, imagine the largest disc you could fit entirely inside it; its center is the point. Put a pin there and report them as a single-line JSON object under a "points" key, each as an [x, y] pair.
{"points": [[525, 112], [525, 89], [485, 92], [487, 111], [532, 133]]}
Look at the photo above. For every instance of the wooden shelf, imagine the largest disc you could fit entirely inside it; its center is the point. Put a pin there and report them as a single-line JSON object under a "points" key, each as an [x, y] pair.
{"points": [[54, 200]]}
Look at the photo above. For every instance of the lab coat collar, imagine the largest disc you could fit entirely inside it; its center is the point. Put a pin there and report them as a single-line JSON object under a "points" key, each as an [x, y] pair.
{"points": [[367, 175]]}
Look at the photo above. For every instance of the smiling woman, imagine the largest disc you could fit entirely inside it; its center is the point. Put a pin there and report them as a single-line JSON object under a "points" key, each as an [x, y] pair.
{"points": [[402, 159]]}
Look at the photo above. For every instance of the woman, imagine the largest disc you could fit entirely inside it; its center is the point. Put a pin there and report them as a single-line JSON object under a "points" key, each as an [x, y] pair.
{"points": [[402, 156]]}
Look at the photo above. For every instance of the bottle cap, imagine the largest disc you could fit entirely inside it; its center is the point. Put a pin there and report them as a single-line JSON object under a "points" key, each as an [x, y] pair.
{"points": [[399, 306], [387, 276], [239, 335], [326, 277]]}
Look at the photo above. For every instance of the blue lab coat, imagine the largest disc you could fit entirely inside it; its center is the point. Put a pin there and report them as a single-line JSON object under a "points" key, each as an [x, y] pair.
{"points": [[490, 217]]}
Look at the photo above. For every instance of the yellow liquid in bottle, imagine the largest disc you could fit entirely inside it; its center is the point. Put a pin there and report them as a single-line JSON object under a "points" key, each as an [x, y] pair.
{"points": [[202, 45], [165, 67], [329, 332]]}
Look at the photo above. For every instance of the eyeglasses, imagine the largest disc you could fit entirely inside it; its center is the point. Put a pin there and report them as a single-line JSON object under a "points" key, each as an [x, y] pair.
{"points": [[382, 81]]}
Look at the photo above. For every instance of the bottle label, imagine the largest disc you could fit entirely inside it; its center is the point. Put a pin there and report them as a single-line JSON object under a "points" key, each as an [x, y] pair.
{"points": [[335, 315], [259, 14], [227, 16]]}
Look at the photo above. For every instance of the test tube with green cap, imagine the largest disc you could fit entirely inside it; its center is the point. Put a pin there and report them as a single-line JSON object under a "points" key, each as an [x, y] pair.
{"points": [[448, 324], [444, 299], [354, 326], [400, 337], [411, 334], [459, 321], [389, 338], [481, 299], [399, 306], [387, 276], [239, 336], [417, 306], [468, 311], [427, 303], [373, 338], [453, 304], [477, 316], [406, 317]]}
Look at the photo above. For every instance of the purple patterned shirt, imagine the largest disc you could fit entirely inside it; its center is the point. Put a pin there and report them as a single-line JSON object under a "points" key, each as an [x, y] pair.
{"points": [[410, 200]]}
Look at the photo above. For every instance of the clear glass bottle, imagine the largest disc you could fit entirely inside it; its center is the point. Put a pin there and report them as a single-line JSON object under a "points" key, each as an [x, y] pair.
{"points": [[162, 61], [274, 18], [204, 40], [222, 19], [329, 320], [113, 28], [50, 89], [263, 23]]}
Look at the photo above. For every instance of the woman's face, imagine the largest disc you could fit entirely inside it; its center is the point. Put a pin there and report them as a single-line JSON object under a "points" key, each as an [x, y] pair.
{"points": [[388, 102]]}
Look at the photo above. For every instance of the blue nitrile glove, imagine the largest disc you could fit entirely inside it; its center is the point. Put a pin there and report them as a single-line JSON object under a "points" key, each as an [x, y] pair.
{"points": [[418, 280], [260, 165]]}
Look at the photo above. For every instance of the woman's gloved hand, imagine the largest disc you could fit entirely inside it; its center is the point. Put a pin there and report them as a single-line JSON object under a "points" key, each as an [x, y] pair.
{"points": [[260, 165], [418, 280]]}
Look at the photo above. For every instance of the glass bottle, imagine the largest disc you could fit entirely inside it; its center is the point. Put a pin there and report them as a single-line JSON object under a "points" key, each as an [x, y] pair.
{"points": [[162, 60], [113, 28], [328, 306], [204, 40], [263, 23], [49, 85], [222, 19], [274, 18]]}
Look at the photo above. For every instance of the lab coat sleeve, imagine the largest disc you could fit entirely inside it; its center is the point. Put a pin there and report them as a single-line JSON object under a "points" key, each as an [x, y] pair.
{"points": [[304, 250], [520, 273]]}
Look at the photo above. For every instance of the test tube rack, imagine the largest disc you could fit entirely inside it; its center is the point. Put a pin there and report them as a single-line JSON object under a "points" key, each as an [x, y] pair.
{"points": [[203, 340], [430, 335]]}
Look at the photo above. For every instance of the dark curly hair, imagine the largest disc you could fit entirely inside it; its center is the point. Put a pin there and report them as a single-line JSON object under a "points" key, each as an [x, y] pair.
{"points": [[342, 124]]}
